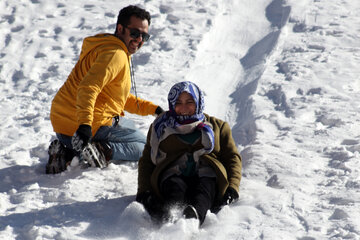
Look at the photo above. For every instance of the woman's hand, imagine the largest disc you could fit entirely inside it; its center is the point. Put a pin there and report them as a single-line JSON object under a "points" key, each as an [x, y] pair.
{"points": [[231, 195]]}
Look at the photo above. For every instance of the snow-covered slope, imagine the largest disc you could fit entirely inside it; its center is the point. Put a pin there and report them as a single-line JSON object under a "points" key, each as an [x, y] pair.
{"points": [[285, 76]]}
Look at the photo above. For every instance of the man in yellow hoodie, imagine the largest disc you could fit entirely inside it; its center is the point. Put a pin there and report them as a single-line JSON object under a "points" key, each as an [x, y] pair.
{"points": [[86, 113]]}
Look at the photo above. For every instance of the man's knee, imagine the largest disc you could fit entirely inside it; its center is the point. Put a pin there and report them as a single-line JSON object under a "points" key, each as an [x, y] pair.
{"points": [[127, 151], [137, 150]]}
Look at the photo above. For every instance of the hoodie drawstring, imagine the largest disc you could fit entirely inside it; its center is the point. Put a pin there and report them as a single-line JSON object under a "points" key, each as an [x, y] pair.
{"points": [[132, 76]]}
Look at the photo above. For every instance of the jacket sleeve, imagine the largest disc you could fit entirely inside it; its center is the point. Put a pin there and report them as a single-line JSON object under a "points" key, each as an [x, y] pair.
{"points": [[139, 106], [105, 68], [230, 156], [145, 167]]}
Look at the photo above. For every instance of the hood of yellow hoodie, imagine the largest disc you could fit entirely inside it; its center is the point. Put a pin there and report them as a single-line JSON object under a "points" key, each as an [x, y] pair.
{"points": [[93, 42]]}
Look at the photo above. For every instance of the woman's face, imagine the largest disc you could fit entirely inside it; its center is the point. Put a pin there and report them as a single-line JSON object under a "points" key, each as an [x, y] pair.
{"points": [[185, 105]]}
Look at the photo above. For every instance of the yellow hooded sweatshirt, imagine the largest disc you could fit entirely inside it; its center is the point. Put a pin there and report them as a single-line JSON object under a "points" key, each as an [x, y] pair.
{"points": [[98, 88]]}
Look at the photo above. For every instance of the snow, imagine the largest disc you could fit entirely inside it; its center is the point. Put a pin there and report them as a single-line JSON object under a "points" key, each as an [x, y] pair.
{"points": [[285, 75]]}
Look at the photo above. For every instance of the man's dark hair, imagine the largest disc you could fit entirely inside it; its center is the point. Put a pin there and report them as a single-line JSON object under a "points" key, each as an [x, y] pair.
{"points": [[126, 13]]}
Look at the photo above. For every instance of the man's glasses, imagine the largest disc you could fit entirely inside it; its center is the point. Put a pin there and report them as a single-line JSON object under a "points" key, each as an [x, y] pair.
{"points": [[135, 33]]}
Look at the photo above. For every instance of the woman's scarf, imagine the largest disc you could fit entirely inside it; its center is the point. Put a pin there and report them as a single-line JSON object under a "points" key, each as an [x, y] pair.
{"points": [[170, 123]]}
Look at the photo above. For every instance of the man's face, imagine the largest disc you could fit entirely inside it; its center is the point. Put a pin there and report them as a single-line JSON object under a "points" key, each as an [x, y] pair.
{"points": [[136, 25]]}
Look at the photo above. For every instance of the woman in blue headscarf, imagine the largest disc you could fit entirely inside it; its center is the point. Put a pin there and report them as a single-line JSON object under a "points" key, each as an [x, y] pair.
{"points": [[190, 159]]}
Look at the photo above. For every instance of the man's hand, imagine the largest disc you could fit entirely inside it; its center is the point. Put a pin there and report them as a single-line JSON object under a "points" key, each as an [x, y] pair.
{"points": [[81, 137], [159, 110]]}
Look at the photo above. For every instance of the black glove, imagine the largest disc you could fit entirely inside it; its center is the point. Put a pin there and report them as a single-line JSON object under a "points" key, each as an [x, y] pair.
{"points": [[81, 137], [231, 195], [159, 110], [152, 205], [143, 197]]}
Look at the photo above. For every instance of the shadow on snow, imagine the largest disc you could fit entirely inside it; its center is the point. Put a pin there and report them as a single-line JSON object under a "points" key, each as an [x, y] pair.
{"points": [[254, 66]]}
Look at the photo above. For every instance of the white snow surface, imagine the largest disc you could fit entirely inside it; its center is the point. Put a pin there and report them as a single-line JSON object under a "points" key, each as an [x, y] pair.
{"points": [[285, 75]]}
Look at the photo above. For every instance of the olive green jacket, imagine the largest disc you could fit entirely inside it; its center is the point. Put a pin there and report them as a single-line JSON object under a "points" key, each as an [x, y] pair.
{"points": [[224, 159]]}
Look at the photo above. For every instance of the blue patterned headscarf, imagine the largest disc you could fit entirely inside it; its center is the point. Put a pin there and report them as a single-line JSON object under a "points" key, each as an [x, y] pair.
{"points": [[172, 120], [196, 94]]}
